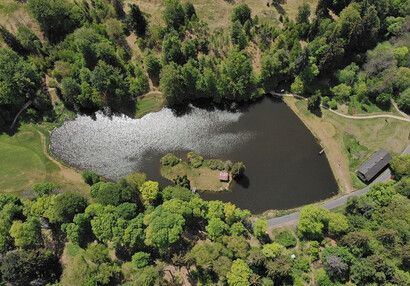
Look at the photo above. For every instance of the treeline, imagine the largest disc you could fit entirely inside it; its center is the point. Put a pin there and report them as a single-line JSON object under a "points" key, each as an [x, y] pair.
{"points": [[93, 64], [133, 231]]}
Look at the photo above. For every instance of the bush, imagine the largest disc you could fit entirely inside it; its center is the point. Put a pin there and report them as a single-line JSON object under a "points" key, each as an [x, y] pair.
{"points": [[42, 189], [313, 102], [153, 65], [169, 160], [182, 182], [216, 164], [322, 279], [333, 104], [238, 169], [140, 259], [306, 277], [303, 264], [287, 239], [90, 177], [401, 166], [195, 159], [314, 251], [227, 165], [325, 100]]}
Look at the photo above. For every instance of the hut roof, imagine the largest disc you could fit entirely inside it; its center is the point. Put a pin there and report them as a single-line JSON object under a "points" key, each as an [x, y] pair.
{"points": [[223, 176], [375, 164]]}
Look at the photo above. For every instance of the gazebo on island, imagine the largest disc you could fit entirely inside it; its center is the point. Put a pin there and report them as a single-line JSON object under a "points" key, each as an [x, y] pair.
{"points": [[224, 176], [374, 165]]}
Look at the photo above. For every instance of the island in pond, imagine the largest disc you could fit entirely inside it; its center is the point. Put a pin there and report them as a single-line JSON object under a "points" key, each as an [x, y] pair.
{"points": [[200, 174]]}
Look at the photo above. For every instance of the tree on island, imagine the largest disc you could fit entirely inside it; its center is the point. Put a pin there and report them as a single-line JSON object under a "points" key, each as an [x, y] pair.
{"points": [[182, 181], [238, 170]]}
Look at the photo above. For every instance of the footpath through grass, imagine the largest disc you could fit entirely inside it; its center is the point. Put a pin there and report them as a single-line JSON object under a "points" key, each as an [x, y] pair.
{"points": [[25, 161], [348, 142]]}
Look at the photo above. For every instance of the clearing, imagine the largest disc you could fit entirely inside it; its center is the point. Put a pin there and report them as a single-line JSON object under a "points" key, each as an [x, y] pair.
{"points": [[216, 13], [25, 160], [150, 102]]}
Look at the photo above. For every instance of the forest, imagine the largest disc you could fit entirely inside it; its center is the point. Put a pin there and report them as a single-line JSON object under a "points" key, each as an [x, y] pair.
{"points": [[135, 233], [341, 52]]}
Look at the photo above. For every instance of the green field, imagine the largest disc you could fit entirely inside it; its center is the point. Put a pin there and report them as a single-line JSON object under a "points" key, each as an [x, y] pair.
{"points": [[364, 137], [25, 161], [152, 102]]}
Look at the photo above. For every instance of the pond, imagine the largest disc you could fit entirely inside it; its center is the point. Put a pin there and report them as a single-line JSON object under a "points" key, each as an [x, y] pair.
{"points": [[283, 168]]}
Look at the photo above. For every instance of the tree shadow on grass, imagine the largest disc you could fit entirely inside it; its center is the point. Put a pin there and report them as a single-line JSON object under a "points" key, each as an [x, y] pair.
{"points": [[278, 6]]}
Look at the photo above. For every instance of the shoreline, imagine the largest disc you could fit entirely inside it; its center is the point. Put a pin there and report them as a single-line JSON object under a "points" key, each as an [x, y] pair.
{"points": [[344, 185]]}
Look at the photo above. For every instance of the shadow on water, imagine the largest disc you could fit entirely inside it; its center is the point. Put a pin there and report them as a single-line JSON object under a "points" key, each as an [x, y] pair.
{"points": [[244, 182], [280, 154]]}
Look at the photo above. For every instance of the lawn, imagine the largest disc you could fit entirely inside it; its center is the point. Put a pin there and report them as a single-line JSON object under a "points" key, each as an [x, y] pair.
{"points": [[25, 161], [364, 137], [150, 103], [216, 13], [202, 178]]}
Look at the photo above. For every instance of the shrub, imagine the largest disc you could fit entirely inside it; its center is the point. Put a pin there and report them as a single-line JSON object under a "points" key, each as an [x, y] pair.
{"points": [[195, 159], [313, 102], [401, 166], [216, 164], [238, 169], [322, 279], [237, 229], [287, 239], [182, 181], [227, 165], [303, 264], [325, 100], [135, 180], [140, 259], [333, 104], [90, 177], [314, 251], [42, 189], [169, 160], [272, 250], [306, 277]]}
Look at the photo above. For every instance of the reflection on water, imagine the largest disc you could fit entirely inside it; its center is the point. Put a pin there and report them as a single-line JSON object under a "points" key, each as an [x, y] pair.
{"points": [[283, 166]]}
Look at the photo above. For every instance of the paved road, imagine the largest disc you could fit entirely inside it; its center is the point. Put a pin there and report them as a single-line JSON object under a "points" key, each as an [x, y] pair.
{"points": [[293, 217]]}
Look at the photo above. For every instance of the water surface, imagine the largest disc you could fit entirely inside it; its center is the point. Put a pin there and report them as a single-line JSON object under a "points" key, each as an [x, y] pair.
{"points": [[283, 171]]}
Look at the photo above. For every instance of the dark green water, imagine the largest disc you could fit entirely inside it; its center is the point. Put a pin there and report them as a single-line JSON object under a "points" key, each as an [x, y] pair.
{"points": [[283, 171]]}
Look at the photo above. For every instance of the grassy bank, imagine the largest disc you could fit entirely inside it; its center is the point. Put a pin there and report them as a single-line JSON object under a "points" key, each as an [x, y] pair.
{"points": [[25, 161], [151, 102], [348, 142]]}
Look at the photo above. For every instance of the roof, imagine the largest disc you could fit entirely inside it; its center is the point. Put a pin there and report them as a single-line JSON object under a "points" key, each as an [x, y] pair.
{"points": [[375, 164], [223, 176]]}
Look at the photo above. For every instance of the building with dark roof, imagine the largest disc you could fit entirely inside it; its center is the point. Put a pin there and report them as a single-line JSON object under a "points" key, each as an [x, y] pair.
{"points": [[374, 165]]}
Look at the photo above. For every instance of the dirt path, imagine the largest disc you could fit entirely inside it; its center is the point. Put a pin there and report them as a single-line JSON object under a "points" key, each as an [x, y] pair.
{"points": [[68, 173], [405, 118], [398, 109]]}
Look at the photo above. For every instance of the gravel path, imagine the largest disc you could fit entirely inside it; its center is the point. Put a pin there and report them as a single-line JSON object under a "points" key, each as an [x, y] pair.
{"points": [[293, 217]]}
